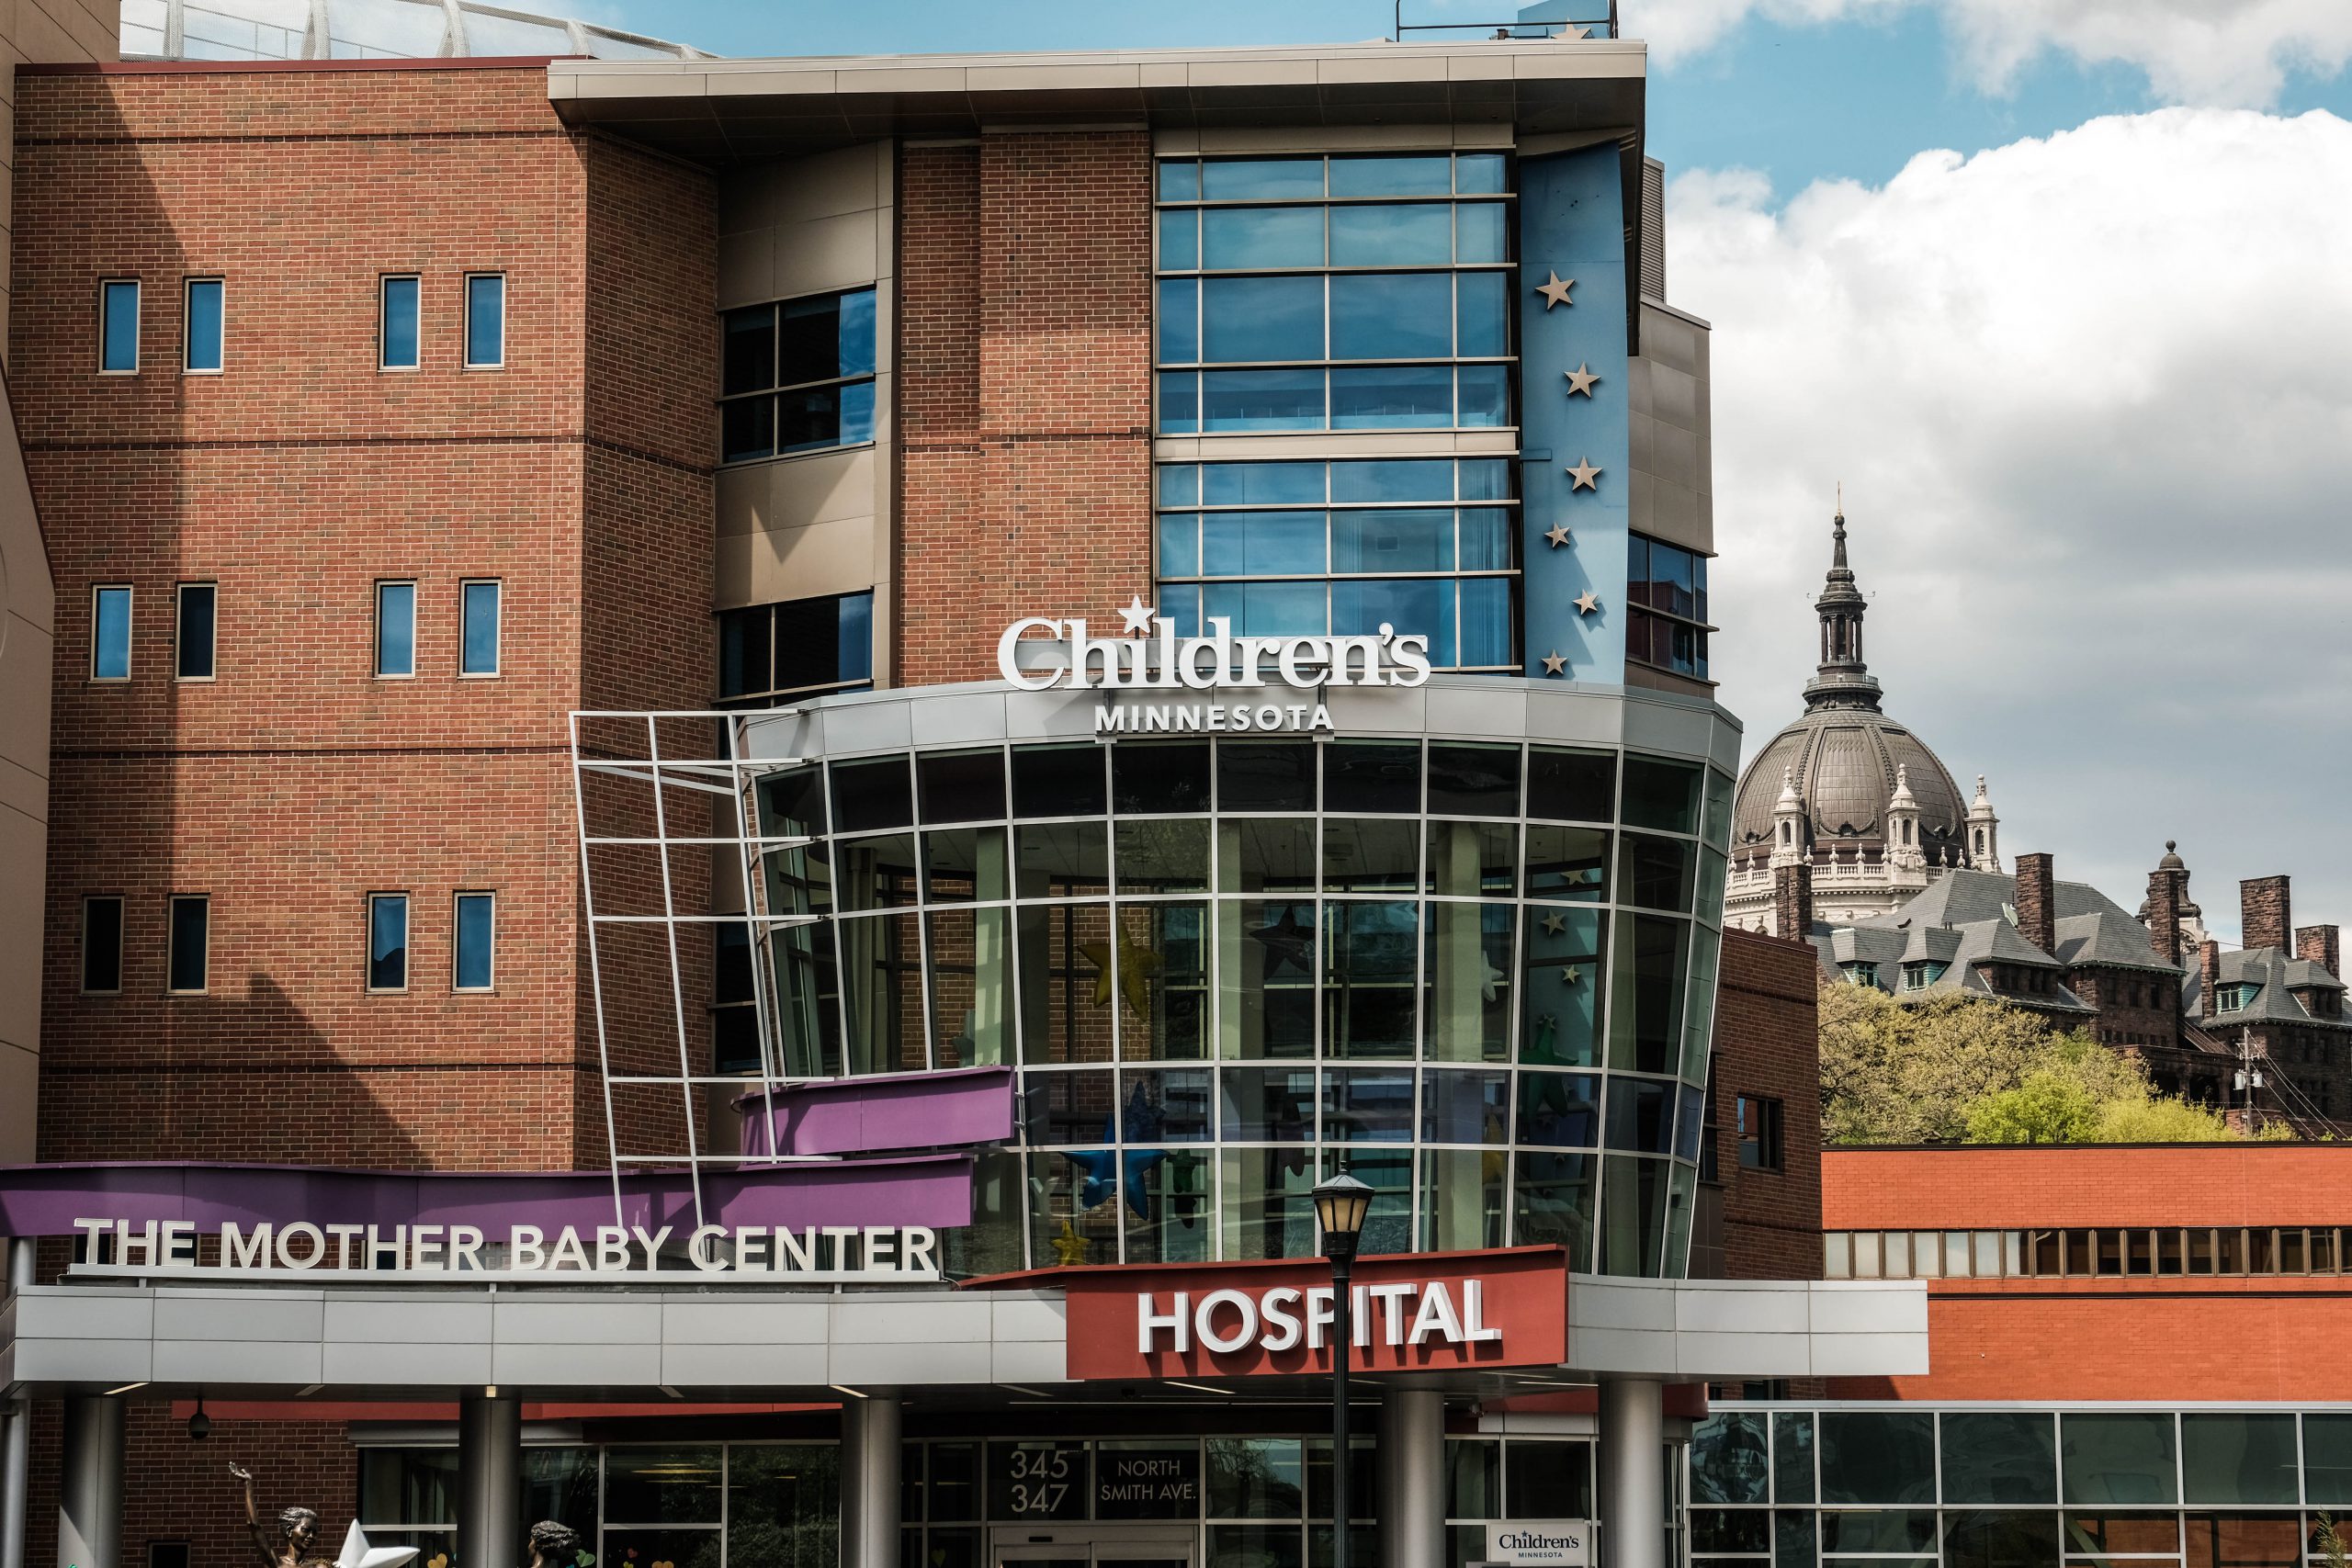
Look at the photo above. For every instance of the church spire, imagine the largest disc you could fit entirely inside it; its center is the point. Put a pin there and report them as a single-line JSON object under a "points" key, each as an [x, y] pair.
{"points": [[1843, 679]]}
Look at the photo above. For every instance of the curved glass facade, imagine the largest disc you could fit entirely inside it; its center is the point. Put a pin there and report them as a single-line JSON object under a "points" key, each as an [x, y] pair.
{"points": [[1478, 976]]}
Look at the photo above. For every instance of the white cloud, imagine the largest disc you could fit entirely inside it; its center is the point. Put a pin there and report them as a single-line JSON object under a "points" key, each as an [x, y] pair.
{"points": [[2091, 403], [2194, 51]]}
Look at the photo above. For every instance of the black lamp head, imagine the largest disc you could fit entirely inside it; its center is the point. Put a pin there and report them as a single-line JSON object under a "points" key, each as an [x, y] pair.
{"points": [[1342, 1205]]}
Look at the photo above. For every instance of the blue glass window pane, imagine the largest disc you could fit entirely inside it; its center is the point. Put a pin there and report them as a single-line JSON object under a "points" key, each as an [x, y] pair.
{"points": [[1406, 480], [1268, 609], [1478, 230], [111, 635], [1261, 399], [1245, 318], [399, 324], [1180, 485], [1478, 173], [204, 325], [857, 412], [1486, 621], [1180, 241], [396, 628], [1699, 586], [1182, 605], [474, 937], [1485, 540], [119, 347], [199, 602], [1671, 571], [1391, 236], [1232, 239], [1259, 179], [1560, 1110], [1423, 173], [854, 649], [1393, 539], [1485, 478], [387, 945], [1360, 1106], [1486, 395], [1179, 404], [1422, 607], [485, 320], [1392, 397], [1272, 544], [479, 655], [1392, 316], [1464, 1108], [1637, 569], [1180, 320], [1261, 484], [1482, 308], [1640, 1115], [857, 332], [1180, 544], [1180, 180]]}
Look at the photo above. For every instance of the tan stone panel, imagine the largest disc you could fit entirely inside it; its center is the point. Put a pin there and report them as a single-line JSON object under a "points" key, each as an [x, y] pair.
{"points": [[849, 179], [1674, 396], [790, 491], [19, 1075], [25, 666], [24, 849], [827, 254], [793, 563], [746, 268]]}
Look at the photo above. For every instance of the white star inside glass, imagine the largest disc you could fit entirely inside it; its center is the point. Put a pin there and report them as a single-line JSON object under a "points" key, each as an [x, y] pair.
{"points": [[1138, 615]]}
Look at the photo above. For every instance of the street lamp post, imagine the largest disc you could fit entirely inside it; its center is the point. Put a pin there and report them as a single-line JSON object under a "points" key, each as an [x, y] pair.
{"points": [[1341, 1206]]}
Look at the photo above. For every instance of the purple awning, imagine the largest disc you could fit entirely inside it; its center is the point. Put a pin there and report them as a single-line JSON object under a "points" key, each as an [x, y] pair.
{"points": [[900, 1111]]}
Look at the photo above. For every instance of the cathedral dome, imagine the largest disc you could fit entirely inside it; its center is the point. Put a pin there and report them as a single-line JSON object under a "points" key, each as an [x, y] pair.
{"points": [[1844, 754]]}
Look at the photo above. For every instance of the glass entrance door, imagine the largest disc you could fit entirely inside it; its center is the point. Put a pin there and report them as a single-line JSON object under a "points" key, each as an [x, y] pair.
{"points": [[1093, 1546]]}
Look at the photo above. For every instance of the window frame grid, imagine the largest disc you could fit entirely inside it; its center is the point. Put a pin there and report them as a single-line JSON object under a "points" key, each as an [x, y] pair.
{"points": [[457, 941], [189, 286], [172, 940], [384, 282], [120, 946], [466, 343], [137, 318], [772, 695], [497, 627], [408, 944], [1637, 613], [777, 386], [376, 651], [129, 632], [179, 633]]}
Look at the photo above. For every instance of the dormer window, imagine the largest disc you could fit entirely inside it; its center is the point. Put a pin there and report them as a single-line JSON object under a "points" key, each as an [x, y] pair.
{"points": [[2230, 998], [1863, 973], [1921, 974]]}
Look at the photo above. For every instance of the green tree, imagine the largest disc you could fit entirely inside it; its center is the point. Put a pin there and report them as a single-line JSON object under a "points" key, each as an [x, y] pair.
{"points": [[1897, 1074], [2052, 1106]]}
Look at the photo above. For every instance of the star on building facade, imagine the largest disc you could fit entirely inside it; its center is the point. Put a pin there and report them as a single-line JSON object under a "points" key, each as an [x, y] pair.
{"points": [[1556, 663], [1580, 379], [1588, 602], [1136, 616], [1556, 924], [1572, 975], [1583, 476], [1558, 533], [1556, 290]]}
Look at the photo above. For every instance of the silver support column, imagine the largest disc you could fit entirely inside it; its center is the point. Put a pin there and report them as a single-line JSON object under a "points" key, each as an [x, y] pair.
{"points": [[1412, 1477], [489, 1480], [1633, 1473], [17, 1439], [89, 1487], [870, 1483]]}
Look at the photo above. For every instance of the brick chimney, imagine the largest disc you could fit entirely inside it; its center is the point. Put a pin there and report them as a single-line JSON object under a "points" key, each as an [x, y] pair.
{"points": [[2265, 918], [2322, 945], [1792, 901], [2038, 901], [2208, 976], [2163, 915]]}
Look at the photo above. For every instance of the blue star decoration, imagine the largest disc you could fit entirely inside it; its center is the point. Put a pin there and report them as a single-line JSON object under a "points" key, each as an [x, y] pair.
{"points": [[1096, 1166], [1287, 941]]}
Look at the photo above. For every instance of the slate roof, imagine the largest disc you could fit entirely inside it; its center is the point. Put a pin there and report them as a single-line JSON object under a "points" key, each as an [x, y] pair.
{"points": [[2277, 975]]}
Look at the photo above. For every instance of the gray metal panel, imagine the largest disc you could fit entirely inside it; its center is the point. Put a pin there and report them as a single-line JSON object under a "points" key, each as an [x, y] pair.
{"points": [[576, 1365], [392, 1320], [81, 1313], [688, 1321], [580, 1320], [238, 1361], [1656, 727], [743, 1366], [98, 1363], [393, 1364], [868, 726], [905, 1364], [234, 1315], [1772, 1309]]}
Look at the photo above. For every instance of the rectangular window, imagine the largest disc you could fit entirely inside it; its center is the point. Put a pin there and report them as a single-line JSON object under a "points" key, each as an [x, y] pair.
{"points": [[1760, 1146], [199, 606], [396, 336], [478, 654], [801, 647], [475, 939], [485, 320], [797, 375], [118, 327], [111, 632], [395, 628], [202, 357], [1666, 589], [388, 941], [102, 945], [191, 941]]}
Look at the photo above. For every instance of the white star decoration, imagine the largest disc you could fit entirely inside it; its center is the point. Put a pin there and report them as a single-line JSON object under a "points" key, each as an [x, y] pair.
{"points": [[1581, 378], [357, 1554], [1556, 290], [1138, 615], [1558, 533], [1556, 663], [1588, 602], [1486, 986], [1583, 476]]}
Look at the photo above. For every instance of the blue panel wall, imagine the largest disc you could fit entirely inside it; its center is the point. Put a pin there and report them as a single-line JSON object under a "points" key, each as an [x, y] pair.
{"points": [[1572, 222]]}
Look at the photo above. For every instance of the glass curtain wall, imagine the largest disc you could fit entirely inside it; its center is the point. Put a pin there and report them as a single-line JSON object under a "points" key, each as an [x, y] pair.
{"points": [[1480, 977]]}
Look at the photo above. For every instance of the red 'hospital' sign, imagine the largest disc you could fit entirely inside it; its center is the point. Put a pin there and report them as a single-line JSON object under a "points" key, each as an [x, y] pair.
{"points": [[1415, 1312]]}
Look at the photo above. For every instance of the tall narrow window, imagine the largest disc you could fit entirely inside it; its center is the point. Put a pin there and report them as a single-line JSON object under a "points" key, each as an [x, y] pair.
{"points": [[1760, 1143], [191, 939], [485, 320], [478, 655], [396, 337], [119, 326], [199, 606], [476, 939], [102, 945], [388, 941], [202, 355], [395, 628], [111, 632]]}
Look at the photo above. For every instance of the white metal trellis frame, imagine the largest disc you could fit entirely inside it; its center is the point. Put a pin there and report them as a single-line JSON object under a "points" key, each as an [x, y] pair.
{"points": [[728, 776]]}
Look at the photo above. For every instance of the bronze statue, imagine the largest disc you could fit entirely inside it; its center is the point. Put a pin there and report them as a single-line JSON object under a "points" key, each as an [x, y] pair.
{"points": [[553, 1545], [297, 1527]]}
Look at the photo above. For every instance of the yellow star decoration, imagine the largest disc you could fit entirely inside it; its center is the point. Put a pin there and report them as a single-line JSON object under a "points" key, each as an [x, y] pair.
{"points": [[1136, 966], [1070, 1247], [1580, 379], [1556, 291], [1583, 475]]}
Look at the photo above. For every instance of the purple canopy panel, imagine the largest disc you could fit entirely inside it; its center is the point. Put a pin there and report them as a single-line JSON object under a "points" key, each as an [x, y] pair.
{"points": [[900, 1111]]}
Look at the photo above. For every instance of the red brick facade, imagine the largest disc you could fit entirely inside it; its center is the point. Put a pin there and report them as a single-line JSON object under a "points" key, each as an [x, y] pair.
{"points": [[1766, 1046]]}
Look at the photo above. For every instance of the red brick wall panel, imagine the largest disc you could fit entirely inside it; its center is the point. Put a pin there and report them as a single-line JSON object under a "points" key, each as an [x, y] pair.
{"points": [[1766, 1043], [2009, 1188]]}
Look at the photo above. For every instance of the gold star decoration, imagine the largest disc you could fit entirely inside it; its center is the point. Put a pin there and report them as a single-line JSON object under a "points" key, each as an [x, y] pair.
{"points": [[1556, 924], [1136, 964], [1583, 475], [1556, 291], [1070, 1247], [1588, 602], [1556, 663], [1572, 975], [1580, 379], [1558, 533]]}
